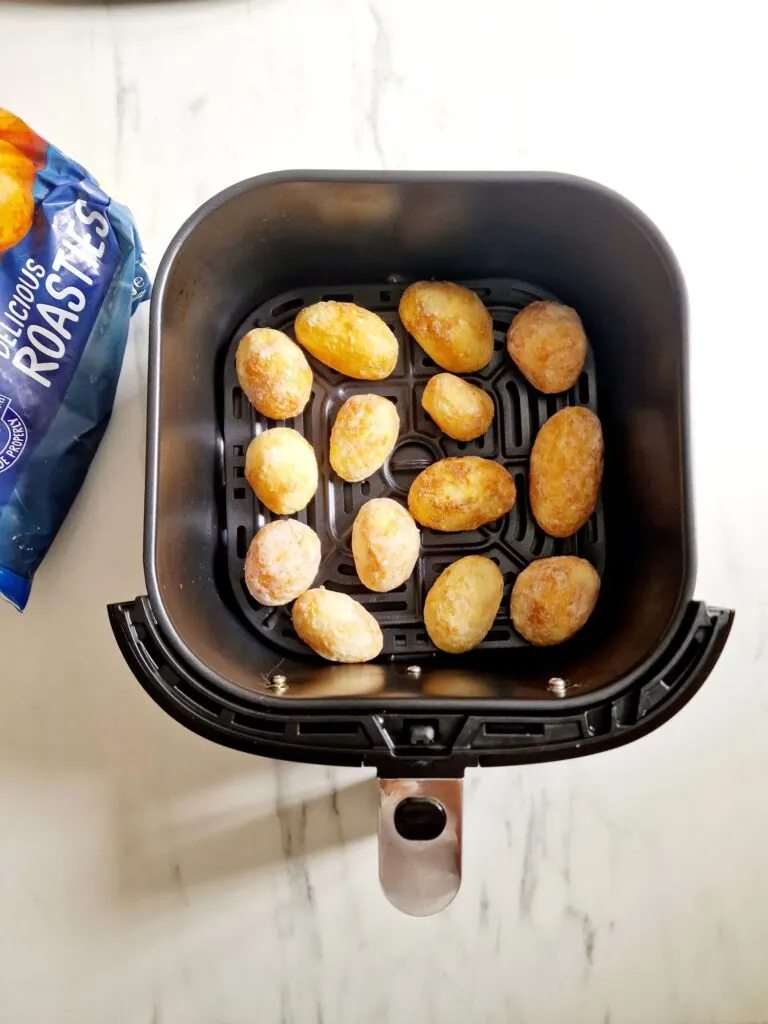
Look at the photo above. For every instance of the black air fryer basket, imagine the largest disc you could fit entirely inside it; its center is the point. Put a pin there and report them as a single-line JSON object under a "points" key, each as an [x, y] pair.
{"points": [[235, 672]]}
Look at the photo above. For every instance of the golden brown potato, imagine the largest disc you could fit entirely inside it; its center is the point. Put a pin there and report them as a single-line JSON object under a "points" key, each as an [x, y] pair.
{"points": [[462, 604], [461, 494], [566, 470], [14, 164], [16, 133], [17, 211], [336, 626], [348, 338], [547, 342], [274, 373], [17, 206], [281, 467], [450, 323], [461, 410], [282, 561], [553, 598], [364, 434], [385, 544]]}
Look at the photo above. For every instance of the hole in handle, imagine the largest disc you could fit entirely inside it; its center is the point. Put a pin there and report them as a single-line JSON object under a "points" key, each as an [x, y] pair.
{"points": [[420, 818]]}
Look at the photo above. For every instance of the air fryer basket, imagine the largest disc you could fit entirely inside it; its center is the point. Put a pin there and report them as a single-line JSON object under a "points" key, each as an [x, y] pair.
{"points": [[236, 672]]}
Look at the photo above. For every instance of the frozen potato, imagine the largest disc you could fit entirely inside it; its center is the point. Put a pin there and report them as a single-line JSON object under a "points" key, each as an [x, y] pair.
{"points": [[566, 470], [274, 373], [281, 467], [348, 338], [461, 494], [461, 410], [553, 598], [450, 323], [385, 544], [462, 604], [363, 435], [547, 342], [336, 626], [282, 561]]}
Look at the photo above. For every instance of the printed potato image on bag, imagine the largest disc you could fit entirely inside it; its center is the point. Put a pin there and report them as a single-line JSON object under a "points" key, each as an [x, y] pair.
{"points": [[71, 276]]}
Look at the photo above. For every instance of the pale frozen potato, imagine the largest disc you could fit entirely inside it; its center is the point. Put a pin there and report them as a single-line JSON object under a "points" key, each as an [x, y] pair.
{"points": [[461, 494], [363, 436], [336, 626], [450, 323], [281, 467], [273, 373], [282, 562], [462, 604], [566, 470], [546, 340], [385, 544], [553, 598], [461, 410], [348, 338]]}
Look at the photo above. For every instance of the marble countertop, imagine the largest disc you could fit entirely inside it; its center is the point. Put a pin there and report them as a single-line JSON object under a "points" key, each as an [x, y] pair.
{"points": [[150, 877]]}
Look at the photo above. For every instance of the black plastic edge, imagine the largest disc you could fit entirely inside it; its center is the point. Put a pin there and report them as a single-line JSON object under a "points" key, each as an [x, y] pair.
{"points": [[487, 736]]}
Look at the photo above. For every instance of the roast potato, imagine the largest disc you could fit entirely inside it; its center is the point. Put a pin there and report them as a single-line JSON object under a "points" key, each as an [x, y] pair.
{"points": [[385, 544], [282, 561], [461, 410], [16, 133], [462, 604], [363, 436], [281, 467], [17, 205], [450, 323], [546, 340], [273, 373], [553, 598], [348, 338], [461, 494], [336, 626], [14, 164], [451, 683], [566, 470]]}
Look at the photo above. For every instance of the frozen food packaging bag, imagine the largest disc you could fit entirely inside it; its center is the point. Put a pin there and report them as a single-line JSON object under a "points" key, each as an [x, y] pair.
{"points": [[71, 276]]}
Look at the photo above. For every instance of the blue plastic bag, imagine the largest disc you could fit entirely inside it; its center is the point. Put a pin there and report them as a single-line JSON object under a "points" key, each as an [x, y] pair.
{"points": [[71, 276]]}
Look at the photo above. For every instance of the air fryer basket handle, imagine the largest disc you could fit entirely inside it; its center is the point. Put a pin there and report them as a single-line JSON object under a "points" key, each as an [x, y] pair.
{"points": [[420, 791], [420, 843]]}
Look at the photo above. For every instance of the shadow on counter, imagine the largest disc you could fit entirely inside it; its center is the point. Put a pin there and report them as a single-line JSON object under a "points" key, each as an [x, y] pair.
{"points": [[165, 809]]}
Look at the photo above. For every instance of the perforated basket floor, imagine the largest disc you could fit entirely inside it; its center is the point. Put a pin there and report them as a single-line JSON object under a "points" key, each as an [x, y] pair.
{"points": [[512, 542]]}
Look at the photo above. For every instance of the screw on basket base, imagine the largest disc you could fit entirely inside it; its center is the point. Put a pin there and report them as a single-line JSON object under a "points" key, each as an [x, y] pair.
{"points": [[278, 683], [414, 670], [557, 686]]}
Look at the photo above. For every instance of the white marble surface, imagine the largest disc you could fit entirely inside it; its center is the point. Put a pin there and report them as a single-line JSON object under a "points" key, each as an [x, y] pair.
{"points": [[150, 877]]}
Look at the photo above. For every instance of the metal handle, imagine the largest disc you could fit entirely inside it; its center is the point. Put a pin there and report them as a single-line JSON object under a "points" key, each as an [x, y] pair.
{"points": [[420, 843]]}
